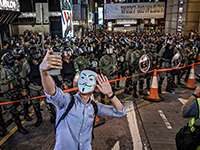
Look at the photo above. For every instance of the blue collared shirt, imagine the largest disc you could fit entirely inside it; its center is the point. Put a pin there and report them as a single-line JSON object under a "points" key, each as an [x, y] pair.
{"points": [[75, 131]]}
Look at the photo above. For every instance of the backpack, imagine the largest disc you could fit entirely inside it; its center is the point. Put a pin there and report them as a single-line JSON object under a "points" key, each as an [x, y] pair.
{"points": [[69, 107]]}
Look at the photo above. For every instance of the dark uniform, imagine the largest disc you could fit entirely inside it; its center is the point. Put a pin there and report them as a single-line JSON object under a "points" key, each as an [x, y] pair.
{"points": [[166, 56], [35, 84], [68, 70], [9, 88], [22, 77]]}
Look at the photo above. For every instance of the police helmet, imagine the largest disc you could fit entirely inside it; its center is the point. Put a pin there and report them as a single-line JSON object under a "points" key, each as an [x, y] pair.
{"points": [[8, 59], [19, 53], [35, 54]]}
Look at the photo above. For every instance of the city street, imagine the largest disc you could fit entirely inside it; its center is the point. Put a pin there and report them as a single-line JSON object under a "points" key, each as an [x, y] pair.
{"points": [[157, 125], [63, 59]]}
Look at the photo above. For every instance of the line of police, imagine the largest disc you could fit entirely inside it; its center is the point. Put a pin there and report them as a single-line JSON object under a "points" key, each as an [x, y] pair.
{"points": [[113, 54]]}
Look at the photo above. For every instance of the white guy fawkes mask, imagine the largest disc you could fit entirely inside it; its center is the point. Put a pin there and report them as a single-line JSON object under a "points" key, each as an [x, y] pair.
{"points": [[87, 81]]}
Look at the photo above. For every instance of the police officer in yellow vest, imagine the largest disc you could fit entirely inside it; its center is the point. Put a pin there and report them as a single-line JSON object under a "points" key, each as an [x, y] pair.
{"points": [[192, 110]]}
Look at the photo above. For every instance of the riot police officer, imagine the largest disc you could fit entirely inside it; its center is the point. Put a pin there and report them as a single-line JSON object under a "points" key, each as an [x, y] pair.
{"points": [[22, 77], [35, 85], [68, 71], [9, 86], [166, 54], [132, 57], [81, 61]]}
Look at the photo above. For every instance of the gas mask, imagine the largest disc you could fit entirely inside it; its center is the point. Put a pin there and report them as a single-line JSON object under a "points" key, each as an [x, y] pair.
{"points": [[121, 59], [109, 50], [87, 81]]}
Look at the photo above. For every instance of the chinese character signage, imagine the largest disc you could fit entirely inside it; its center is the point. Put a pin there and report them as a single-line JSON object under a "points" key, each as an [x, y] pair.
{"points": [[134, 10]]}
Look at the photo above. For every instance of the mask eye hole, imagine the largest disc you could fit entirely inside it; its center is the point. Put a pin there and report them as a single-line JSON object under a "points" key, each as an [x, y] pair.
{"points": [[91, 79], [82, 77]]}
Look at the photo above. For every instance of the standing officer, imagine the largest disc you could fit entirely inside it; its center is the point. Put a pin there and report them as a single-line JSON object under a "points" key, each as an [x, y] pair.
{"points": [[166, 54], [22, 77], [9, 85], [68, 70], [35, 85]]}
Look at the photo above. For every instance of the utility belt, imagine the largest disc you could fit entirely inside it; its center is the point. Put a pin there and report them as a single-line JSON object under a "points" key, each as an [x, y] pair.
{"points": [[11, 94]]}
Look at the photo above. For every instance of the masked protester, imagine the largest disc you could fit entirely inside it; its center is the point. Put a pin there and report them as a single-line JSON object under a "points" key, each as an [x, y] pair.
{"points": [[76, 113]]}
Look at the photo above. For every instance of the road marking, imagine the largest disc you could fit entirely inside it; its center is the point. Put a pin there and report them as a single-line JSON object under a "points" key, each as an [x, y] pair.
{"points": [[116, 146], [145, 147], [164, 118], [183, 101], [14, 129], [12, 132], [5, 138], [133, 126]]}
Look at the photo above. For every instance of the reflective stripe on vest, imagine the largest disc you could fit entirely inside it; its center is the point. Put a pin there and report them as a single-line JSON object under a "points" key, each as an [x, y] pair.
{"points": [[193, 119]]}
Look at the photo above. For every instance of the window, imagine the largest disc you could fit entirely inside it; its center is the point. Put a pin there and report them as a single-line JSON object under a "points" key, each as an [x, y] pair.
{"points": [[54, 5]]}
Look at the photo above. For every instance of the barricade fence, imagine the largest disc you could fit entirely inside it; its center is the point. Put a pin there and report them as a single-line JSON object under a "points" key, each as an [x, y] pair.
{"points": [[42, 97]]}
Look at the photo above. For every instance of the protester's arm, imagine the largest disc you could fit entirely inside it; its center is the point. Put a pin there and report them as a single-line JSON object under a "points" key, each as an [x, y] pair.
{"points": [[49, 62], [108, 110], [54, 94], [190, 108], [118, 108]]}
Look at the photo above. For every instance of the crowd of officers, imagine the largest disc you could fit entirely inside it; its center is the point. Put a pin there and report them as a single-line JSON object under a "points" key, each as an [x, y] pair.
{"points": [[113, 54]]}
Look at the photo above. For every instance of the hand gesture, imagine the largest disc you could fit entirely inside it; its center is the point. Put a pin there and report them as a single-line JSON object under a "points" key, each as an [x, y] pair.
{"points": [[51, 61], [104, 85]]}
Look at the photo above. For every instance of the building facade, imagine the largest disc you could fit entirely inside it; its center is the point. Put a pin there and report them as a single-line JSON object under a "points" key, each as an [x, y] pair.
{"points": [[45, 16], [182, 16], [125, 15], [9, 11]]}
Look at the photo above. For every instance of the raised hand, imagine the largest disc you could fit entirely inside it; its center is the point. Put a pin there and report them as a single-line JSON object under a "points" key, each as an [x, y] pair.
{"points": [[104, 85], [51, 61]]}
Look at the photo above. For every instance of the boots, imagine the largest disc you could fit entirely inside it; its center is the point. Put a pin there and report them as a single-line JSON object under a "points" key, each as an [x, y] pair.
{"points": [[38, 114], [26, 112], [135, 94], [21, 129], [134, 90], [3, 129], [141, 92]]}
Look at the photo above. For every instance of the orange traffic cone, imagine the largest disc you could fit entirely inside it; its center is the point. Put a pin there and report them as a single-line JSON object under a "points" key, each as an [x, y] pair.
{"points": [[153, 96], [198, 58], [191, 80]]}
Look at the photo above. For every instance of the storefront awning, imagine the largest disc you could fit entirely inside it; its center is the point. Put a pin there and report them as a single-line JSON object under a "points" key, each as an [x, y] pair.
{"points": [[7, 17]]}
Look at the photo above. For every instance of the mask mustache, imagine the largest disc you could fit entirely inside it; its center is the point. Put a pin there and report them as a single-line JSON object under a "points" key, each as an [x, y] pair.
{"points": [[85, 84]]}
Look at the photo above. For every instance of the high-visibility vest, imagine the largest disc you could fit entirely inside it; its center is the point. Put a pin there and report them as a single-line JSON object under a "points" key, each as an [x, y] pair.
{"points": [[192, 121]]}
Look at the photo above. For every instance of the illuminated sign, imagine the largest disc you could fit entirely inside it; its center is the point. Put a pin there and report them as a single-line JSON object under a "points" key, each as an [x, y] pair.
{"points": [[100, 15], [67, 21], [134, 10], [11, 5]]}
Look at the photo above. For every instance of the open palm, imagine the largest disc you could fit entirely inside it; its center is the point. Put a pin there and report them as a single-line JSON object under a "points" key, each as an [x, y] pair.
{"points": [[104, 85]]}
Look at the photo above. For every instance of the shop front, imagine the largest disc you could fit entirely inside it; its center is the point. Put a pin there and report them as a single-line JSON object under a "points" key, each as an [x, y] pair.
{"points": [[9, 11]]}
